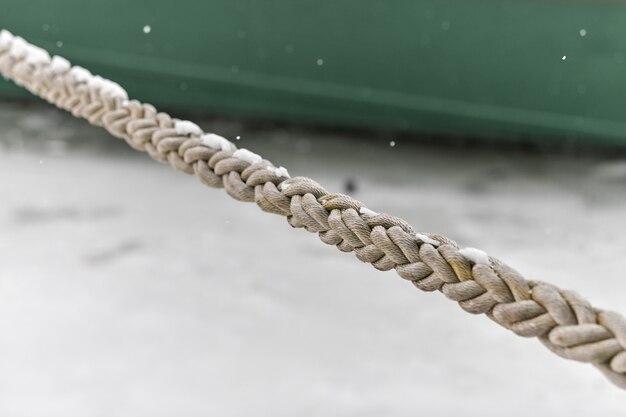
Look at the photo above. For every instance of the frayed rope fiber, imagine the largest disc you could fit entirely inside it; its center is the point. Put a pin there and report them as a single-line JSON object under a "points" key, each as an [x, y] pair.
{"points": [[562, 320]]}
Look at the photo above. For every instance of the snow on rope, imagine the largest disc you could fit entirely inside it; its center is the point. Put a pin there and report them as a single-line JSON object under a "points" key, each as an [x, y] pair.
{"points": [[562, 320]]}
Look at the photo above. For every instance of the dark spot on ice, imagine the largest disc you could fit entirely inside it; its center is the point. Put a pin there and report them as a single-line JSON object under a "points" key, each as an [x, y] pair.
{"points": [[349, 186], [107, 255], [482, 182], [34, 215], [38, 215]]}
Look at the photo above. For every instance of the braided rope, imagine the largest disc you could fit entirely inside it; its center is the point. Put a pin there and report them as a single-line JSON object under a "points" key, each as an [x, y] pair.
{"points": [[562, 320]]}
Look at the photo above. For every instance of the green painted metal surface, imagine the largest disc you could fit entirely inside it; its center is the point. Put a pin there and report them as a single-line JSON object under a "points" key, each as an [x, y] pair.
{"points": [[538, 69]]}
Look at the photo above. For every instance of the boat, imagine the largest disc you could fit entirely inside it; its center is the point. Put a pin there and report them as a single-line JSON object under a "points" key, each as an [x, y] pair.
{"points": [[545, 71]]}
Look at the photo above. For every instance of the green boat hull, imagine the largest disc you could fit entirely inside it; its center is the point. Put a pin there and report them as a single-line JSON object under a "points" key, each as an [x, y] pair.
{"points": [[505, 69]]}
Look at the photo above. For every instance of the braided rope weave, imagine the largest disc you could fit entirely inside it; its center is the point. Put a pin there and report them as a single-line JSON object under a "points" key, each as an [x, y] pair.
{"points": [[562, 320]]}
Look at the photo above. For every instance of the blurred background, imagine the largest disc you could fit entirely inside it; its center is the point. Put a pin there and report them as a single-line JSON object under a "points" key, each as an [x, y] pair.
{"points": [[128, 289]]}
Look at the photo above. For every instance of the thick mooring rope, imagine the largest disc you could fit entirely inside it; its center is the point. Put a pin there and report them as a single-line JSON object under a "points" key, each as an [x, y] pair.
{"points": [[562, 320]]}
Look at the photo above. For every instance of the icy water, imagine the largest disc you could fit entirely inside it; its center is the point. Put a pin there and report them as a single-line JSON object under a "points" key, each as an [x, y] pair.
{"points": [[128, 289]]}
